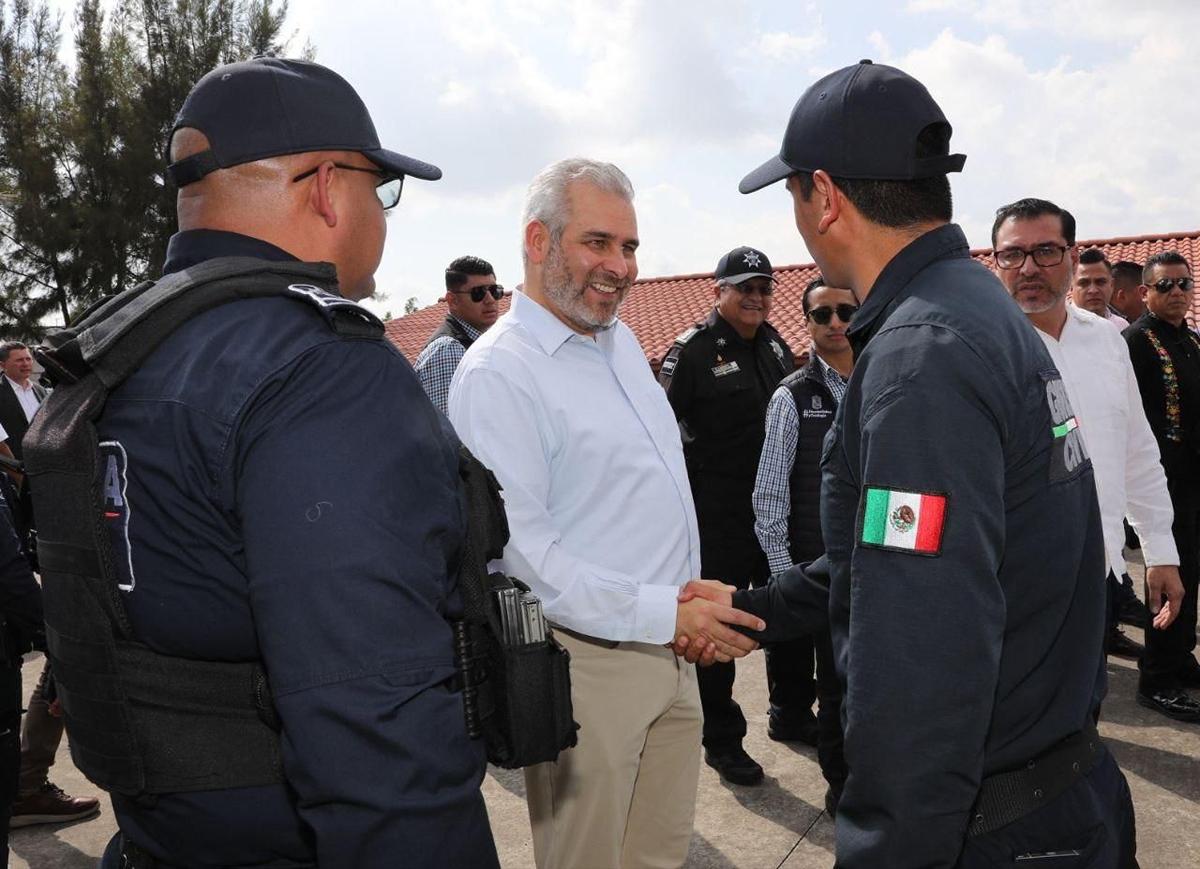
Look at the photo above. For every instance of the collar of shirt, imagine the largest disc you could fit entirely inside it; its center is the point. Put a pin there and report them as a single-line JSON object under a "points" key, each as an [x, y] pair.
{"points": [[192, 246], [1150, 320], [941, 243], [471, 331], [549, 331], [18, 386]]}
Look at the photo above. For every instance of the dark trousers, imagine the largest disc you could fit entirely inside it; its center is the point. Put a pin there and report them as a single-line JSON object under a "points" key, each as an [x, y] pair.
{"points": [[10, 744], [830, 739], [1168, 652], [1094, 817], [724, 723], [39, 738]]}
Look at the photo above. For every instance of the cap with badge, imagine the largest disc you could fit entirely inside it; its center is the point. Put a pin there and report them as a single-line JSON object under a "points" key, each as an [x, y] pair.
{"points": [[741, 264], [863, 122], [270, 107]]}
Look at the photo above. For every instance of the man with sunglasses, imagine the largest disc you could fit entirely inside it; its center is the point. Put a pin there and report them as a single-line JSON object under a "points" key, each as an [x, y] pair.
{"points": [[287, 500], [719, 376], [1035, 253], [787, 511], [1166, 360], [472, 306]]}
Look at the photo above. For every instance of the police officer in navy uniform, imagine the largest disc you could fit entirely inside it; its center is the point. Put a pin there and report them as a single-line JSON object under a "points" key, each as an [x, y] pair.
{"points": [[719, 376], [964, 553], [289, 496]]}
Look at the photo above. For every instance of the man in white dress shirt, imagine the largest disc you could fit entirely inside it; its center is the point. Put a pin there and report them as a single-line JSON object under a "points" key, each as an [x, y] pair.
{"points": [[557, 399], [1092, 286], [1034, 242]]}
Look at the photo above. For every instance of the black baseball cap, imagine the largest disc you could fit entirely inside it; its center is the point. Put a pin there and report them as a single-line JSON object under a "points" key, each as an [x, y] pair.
{"points": [[269, 107], [741, 264], [861, 121]]}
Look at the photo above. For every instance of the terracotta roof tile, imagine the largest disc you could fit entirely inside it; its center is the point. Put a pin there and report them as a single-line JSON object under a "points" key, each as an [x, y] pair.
{"points": [[658, 309]]}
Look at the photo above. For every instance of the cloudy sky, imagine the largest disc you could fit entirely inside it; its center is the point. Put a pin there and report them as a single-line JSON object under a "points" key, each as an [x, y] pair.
{"points": [[1092, 103]]}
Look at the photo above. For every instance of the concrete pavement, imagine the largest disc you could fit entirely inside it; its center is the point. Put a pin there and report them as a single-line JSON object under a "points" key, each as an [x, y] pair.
{"points": [[781, 824]]}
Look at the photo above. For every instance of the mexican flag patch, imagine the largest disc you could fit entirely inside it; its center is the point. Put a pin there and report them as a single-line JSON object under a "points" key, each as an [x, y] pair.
{"points": [[903, 521]]}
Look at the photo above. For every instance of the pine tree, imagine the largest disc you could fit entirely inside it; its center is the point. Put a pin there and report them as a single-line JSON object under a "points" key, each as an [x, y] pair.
{"points": [[85, 208]]}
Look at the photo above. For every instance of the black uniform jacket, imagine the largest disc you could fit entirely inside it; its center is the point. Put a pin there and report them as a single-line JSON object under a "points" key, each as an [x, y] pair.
{"points": [[983, 652], [719, 385]]}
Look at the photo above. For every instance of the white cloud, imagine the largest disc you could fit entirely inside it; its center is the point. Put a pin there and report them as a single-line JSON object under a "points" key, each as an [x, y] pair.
{"points": [[789, 47]]}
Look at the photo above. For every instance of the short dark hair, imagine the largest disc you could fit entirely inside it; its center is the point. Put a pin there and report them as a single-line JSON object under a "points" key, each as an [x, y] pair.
{"points": [[1094, 255], [464, 267], [5, 349], [815, 284], [1028, 209], [1165, 258], [898, 204], [1127, 271]]}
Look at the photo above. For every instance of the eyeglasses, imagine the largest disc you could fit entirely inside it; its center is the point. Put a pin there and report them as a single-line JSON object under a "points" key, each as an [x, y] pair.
{"points": [[477, 293], [388, 189], [1164, 285], [822, 316], [1044, 255]]}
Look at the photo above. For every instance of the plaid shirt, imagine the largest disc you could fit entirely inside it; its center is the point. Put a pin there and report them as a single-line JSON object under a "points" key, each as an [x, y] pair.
{"points": [[435, 366], [772, 498]]}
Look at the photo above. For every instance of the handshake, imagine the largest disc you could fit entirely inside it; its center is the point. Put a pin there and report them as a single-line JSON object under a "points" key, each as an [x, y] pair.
{"points": [[703, 620]]}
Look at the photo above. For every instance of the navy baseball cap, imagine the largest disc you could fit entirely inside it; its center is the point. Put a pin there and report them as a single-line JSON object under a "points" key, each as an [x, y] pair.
{"points": [[741, 264], [270, 107], [863, 122]]}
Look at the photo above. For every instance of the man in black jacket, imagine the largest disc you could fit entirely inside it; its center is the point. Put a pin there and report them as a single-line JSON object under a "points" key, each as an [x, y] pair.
{"points": [[1166, 360], [787, 512], [719, 376], [964, 552]]}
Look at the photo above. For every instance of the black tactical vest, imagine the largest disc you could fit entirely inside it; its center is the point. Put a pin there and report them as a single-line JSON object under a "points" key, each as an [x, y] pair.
{"points": [[454, 329], [143, 723], [816, 407]]}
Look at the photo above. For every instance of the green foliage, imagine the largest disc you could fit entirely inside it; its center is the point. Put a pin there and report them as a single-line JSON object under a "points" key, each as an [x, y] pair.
{"points": [[85, 210]]}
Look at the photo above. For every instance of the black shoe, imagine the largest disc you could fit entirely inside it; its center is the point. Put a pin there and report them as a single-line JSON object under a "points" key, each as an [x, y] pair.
{"points": [[1172, 703], [803, 730], [1189, 674], [1133, 612], [734, 765], [831, 803], [1120, 645]]}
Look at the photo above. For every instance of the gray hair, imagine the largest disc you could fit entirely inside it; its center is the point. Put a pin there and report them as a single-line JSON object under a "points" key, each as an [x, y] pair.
{"points": [[546, 200]]}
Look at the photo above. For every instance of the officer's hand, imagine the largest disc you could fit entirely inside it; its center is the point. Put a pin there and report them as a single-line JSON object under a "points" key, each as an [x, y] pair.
{"points": [[700, 619], [701, 652], [1162, 582]]}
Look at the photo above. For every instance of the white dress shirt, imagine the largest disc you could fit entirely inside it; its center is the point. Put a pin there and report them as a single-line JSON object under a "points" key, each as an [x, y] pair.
{"points": [[1117, 320], [1093, 360], [586, 448], [27, 397], [3, 435]]}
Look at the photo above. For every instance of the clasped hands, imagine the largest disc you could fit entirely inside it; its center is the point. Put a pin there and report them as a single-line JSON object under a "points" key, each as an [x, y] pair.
{"points": [[703, 632]]}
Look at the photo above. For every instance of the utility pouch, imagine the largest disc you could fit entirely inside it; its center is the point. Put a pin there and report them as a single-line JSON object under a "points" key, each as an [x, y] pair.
{"points": [[515, 678]]}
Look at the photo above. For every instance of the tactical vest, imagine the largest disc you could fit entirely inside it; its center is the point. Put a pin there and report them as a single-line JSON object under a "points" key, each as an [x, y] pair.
{"points": [[452, 328], [815, 407], [140, 722]]}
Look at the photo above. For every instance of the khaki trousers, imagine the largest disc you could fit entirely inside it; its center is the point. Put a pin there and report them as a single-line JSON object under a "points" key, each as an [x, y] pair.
{"points": [[625, 796]]}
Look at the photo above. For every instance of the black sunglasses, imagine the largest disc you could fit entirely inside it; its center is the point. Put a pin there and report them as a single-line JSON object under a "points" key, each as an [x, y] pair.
{"points": [[477, 293], [1164, 285], [751, 286], [821, 316], [388, 189]]}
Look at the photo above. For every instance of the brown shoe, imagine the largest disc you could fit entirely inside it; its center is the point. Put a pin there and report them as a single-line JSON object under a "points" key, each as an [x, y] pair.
{"points": [[49, 805]]}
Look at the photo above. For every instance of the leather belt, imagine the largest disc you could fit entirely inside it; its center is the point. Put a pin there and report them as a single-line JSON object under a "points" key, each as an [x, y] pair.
{"points": [[1008, 796]]}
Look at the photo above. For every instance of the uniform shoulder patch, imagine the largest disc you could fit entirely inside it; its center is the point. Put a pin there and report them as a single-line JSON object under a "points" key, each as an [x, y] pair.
{"points": [[1068, 452], [689, 334], [902, 521]]}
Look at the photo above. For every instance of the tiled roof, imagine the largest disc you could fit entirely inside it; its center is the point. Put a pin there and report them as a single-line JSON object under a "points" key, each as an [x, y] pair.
{"points": [[658, 309]]}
